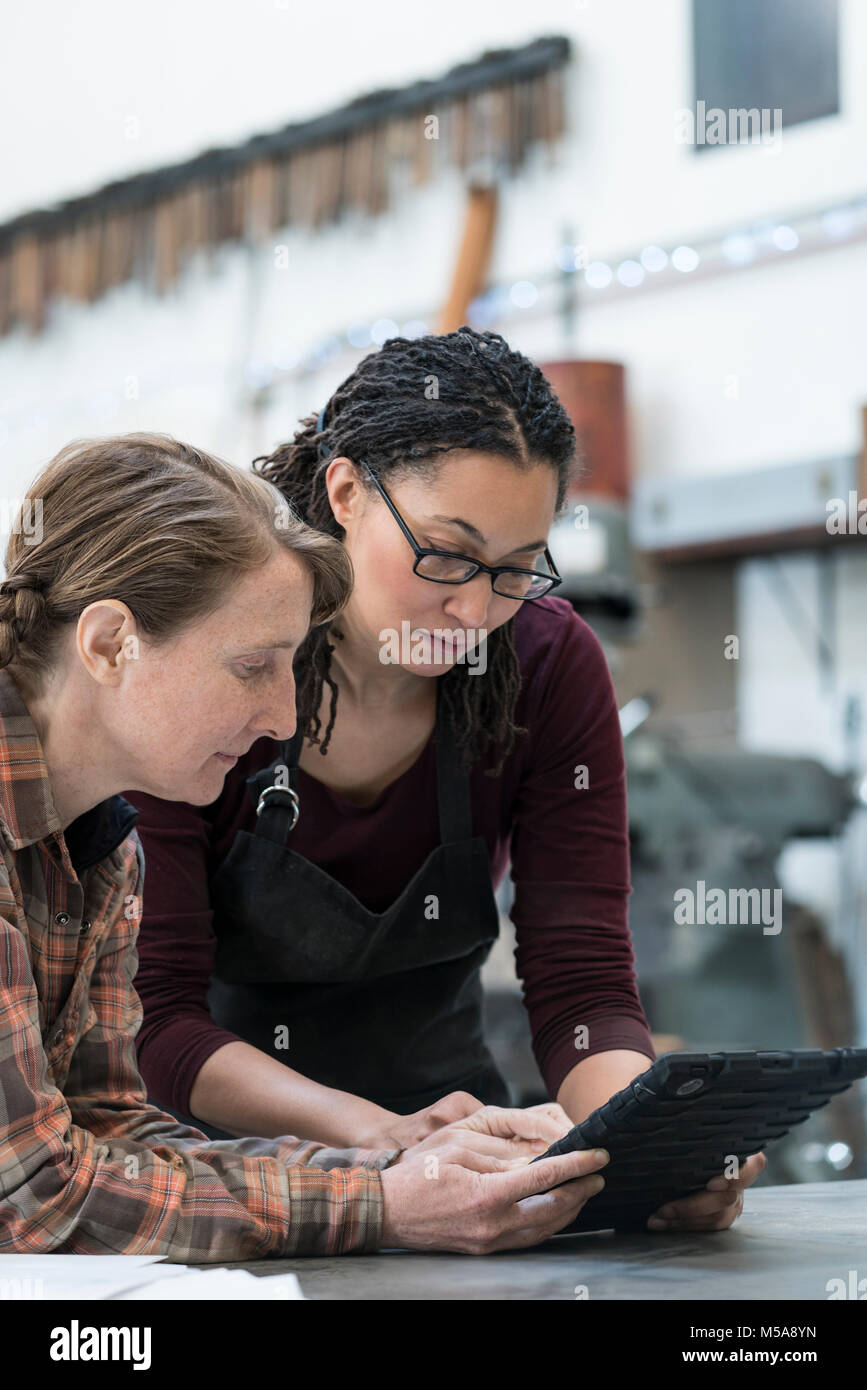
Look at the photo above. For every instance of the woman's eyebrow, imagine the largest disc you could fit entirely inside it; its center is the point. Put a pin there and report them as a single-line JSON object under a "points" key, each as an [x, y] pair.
{"points": [[477, 536], [249, 650]]}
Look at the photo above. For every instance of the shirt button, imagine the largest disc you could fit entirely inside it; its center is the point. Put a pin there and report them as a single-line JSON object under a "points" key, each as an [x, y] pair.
{"points": [[61, 918], [86, 925]]}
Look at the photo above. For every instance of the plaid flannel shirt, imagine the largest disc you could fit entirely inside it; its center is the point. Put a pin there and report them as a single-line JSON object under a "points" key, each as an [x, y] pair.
{"points": [[86, 1164]]}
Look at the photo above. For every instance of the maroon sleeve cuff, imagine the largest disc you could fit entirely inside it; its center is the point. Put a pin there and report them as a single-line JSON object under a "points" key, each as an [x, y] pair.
{"points": [[608, 1035], [171, 1059]]}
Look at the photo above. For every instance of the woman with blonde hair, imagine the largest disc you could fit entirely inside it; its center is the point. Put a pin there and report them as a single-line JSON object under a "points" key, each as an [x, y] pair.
{"points": [[147, 634]]}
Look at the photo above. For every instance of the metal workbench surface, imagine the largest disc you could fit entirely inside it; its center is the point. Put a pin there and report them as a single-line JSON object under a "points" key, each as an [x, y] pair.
{"points": [[788, 1244]]}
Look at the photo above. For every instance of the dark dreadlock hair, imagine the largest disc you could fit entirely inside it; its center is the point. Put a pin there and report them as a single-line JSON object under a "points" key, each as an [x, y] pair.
{"points": [[486, 397]]}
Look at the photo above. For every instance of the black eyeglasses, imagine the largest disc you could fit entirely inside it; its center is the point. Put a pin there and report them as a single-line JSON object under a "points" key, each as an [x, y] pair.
{"points": [[443, 567]]}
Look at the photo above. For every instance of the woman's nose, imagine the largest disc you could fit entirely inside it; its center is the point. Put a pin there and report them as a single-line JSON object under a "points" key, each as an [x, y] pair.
{"points": [[470, 602], [279, 719]]}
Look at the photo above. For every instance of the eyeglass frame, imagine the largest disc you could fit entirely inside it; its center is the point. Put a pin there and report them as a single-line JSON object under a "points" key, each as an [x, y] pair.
{"points": [[480, 567]]}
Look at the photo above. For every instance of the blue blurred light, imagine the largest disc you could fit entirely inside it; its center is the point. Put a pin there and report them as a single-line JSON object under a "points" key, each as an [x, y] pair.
{"points": [[738, 248], [358, 335], [685, 258], [653, 258], [629, 273], [285, 359], [785, 238], [383, 329], [838, 222], [598, 275], [524, 294]]}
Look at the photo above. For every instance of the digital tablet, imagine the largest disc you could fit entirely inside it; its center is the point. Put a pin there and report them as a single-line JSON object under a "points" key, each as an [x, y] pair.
{"points": [[681, 1122]]}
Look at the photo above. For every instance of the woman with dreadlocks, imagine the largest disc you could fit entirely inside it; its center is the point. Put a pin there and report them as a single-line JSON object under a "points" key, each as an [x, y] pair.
{"points": [[318, 973]]}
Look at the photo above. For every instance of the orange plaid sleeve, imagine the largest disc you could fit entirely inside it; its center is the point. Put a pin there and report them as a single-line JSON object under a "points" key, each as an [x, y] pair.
{"points": [[93, 1168]]}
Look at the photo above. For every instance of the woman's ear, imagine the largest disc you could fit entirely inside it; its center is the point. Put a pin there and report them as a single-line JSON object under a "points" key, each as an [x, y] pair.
{"points": [[106, 637], [345, 491]]}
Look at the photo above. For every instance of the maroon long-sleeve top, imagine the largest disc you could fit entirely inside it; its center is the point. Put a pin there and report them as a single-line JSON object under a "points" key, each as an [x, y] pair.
{"points": [[557, 813]]}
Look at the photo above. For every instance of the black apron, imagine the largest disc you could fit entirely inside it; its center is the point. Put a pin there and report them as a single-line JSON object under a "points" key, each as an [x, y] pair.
{"points": [[385, 1005]]}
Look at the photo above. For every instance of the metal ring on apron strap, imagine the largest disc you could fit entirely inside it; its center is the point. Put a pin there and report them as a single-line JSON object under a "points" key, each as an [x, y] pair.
{"points": [[284, 791]]}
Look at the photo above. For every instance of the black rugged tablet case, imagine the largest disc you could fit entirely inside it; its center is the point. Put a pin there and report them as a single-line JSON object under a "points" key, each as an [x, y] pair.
{"points": [[678, 1124]]}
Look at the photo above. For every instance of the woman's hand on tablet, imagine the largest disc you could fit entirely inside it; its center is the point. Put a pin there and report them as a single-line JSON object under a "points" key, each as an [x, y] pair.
{"points": [[513, 1136], [402, 1131], [545, 1122], [714, 1209]]}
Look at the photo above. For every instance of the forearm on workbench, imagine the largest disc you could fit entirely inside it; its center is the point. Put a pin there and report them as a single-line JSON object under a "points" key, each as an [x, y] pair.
{"points": [[242, 1090], [594, 1080]]}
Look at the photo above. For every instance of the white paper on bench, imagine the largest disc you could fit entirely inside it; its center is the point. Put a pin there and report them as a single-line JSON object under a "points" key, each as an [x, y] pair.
{"points": [[221, 1283], [131, 1277], [79, 1276]]}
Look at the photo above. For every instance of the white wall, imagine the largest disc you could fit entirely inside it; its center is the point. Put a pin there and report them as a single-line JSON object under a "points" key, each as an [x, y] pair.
{"points": [[793, 334]]}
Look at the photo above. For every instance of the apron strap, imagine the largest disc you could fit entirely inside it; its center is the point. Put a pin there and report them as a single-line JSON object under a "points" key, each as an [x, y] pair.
{"points": [[273, 790], [273, 793], [453, 784]]}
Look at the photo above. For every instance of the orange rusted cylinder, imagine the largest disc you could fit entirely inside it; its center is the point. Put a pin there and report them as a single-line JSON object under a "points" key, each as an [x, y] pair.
{"points": [[594, 394]]}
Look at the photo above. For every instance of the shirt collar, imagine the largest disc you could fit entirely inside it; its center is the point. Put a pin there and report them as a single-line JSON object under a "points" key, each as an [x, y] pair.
{"points": [[26, 802]]}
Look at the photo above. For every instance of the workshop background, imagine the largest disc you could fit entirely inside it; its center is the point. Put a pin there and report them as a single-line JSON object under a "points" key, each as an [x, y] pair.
{"points": [[211, 212]]}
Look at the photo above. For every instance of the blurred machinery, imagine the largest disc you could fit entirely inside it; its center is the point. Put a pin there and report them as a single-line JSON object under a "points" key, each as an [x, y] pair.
{"points": [[759, 971], [724, 959]]}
